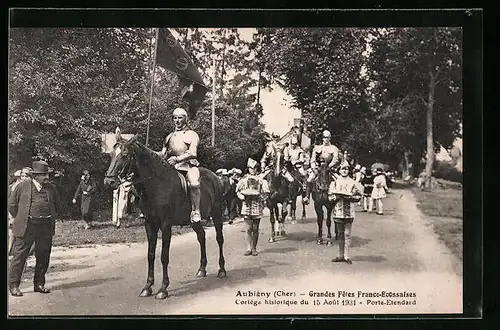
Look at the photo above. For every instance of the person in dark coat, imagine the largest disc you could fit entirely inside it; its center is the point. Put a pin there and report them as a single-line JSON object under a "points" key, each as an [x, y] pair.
{"points": [[367, 183], [34, 204], [86, 189]]}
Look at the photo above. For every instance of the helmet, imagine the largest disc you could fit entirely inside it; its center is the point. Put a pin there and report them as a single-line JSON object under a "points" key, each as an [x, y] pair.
{"points": [[179, 112], [326, 133], [294, 140]]}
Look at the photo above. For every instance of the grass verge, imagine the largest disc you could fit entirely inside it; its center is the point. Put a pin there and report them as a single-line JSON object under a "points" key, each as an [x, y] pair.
{"points": [[444, 208], [71, 233]]}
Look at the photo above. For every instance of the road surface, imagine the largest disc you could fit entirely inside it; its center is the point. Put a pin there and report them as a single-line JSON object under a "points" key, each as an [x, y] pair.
{"points": [[394, 254]]}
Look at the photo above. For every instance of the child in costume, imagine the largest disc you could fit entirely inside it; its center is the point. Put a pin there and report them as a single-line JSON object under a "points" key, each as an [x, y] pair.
{"points": [[345, 192], [379, 189], [253, 190]]}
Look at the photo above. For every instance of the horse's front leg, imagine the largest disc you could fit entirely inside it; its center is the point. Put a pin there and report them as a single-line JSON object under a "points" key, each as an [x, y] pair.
{"points": [[217, 217], [200, 233], [166, 236], [293, 209], [329, 224], [284, 213], [319, 213], [152, 234], [303, 208], [273, 221]]}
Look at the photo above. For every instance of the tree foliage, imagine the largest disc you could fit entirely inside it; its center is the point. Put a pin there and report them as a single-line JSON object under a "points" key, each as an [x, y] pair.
{"points": [[68, 86]]}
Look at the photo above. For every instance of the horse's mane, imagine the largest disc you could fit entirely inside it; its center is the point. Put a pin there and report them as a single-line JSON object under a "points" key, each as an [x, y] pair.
{"points": [[159, 166]]}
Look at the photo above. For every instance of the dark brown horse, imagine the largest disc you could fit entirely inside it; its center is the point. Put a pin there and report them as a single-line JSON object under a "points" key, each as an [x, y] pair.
{"points": [[165, 202], [296, 189], [278, 186], [320, 197]]}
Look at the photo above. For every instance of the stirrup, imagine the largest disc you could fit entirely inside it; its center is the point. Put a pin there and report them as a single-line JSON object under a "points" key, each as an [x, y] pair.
{"points": [[195, 216]]}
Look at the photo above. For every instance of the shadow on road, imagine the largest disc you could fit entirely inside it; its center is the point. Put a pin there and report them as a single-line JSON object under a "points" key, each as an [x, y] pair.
{"points": [[84, 284], [29, 270], [212, 282], [369, 258], [358, 241], [279, 250]]}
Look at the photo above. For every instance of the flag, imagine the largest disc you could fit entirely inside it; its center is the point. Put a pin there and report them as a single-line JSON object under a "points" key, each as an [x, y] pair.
{"points": [[171, 56]]}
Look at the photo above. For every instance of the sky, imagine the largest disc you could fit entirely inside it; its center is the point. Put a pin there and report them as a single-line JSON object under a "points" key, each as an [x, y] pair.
{"points": [[278, 114]]}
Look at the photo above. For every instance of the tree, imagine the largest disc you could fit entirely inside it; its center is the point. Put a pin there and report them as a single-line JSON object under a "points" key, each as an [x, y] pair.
{"points": [[417, 88], [321, 70]]}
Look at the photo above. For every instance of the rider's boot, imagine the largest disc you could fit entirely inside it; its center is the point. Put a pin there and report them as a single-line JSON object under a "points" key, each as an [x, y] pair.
{"points": [[195, 203]]}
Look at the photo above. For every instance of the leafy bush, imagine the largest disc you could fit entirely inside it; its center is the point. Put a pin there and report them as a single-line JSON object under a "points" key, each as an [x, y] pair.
{"points": [[446, 171]]}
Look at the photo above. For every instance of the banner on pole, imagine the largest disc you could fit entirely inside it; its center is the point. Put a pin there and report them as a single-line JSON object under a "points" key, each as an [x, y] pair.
{"points": [[171, 56], [108, 141]]}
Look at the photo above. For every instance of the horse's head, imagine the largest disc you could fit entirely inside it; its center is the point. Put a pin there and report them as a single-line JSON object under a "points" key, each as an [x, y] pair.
{"points": [[323, 178], [121, 161], [278, 158]]}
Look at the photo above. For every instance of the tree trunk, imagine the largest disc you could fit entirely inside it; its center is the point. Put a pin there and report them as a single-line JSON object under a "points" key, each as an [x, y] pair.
{"points": [[430, 138], [406, 166]]}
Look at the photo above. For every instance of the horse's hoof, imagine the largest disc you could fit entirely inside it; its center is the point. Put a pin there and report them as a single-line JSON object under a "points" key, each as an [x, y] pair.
{"points": [[221, 273], [146, 292], [161, 294], [283, 233], [294, 222], [329, 243], [201, 273], [288, 218], [272, 240], [319, 241]]}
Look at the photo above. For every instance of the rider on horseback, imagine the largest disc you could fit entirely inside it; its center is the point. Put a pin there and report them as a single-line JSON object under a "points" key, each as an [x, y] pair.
{"points": [[181, 147], [323, 153], [268, 158], [295, 155]]}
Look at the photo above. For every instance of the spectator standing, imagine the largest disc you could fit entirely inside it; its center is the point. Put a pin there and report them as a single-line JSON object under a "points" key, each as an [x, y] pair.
{"points": [[86, 189], [34, 204]]}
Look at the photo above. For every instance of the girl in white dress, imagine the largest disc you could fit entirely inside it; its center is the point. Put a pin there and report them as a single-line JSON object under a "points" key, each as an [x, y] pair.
{"points": [[344, 192], [379, 189]]}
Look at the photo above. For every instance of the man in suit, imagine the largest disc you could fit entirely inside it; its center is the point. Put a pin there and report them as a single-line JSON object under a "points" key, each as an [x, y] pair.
{"points": [[34, 204]]}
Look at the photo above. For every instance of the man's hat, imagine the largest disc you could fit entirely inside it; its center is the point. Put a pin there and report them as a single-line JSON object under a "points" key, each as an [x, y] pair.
{"points": [[294, 140], [85, 172], [326, 133], [237, 171], [223, 171], [251, 163], [179, 112], [276, 135], [219, 171], [357, 167], [268, 138], [40, 167], [363, 170], [17, 173]]}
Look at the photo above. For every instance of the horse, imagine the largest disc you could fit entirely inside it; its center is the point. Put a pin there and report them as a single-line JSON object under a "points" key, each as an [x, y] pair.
{"points": [[320, 197], [278, 186], [297, 189], [165, 202]]}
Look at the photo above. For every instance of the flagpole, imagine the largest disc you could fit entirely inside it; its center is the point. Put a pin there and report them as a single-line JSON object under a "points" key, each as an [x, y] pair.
{"points": [[213, 102], [152, 87]]}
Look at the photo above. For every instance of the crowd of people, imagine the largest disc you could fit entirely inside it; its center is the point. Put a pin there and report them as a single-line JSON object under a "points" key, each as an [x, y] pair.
{"points": [[34, 201]]}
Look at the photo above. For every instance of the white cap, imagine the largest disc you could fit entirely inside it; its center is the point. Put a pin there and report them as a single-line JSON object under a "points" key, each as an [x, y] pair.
{"points": [[294, 140], [237, 171], [219, 171], [179, 112], [251, 163], [17, 173], [357, 167], [223, 171], [326, 133]]}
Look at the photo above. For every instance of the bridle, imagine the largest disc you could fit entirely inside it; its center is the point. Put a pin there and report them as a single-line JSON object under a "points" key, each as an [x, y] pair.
{"points": [[129, 174]]}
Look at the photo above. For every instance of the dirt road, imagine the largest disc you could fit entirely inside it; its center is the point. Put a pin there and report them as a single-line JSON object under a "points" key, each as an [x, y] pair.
{"points": [[399, 266]]}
